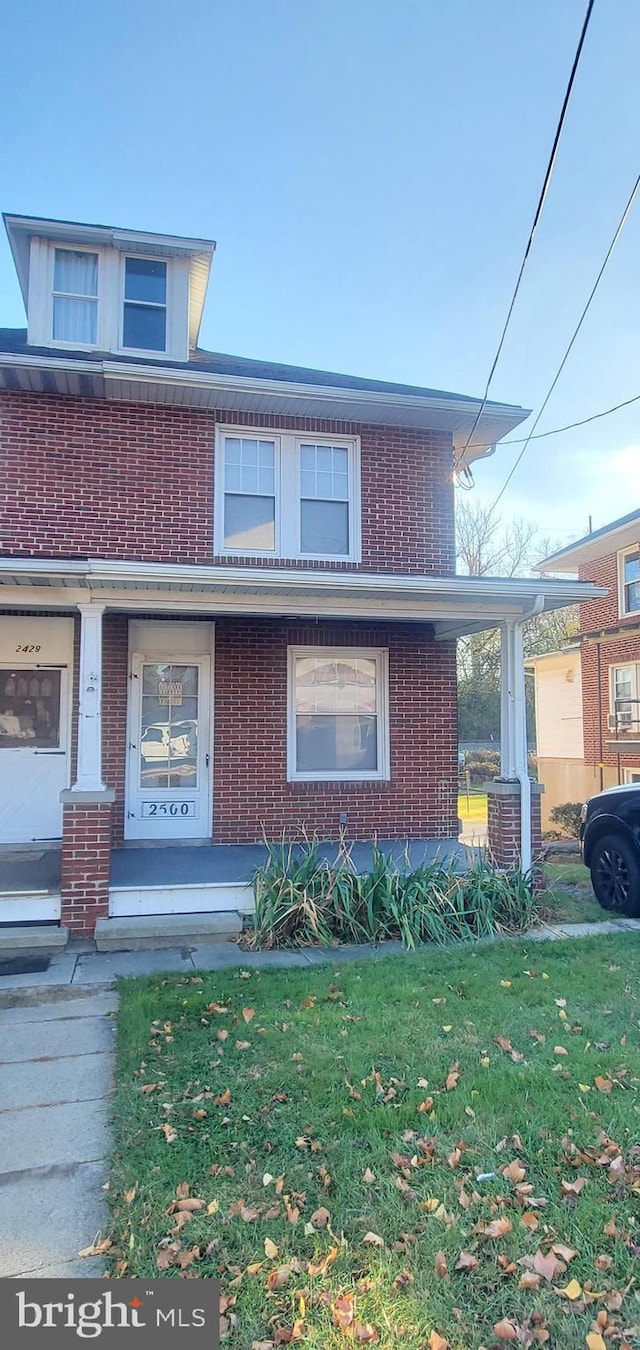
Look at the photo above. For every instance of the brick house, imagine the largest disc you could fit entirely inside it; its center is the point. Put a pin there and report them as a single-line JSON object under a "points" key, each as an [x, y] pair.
{"points": [[592, 739], [228, 593]]}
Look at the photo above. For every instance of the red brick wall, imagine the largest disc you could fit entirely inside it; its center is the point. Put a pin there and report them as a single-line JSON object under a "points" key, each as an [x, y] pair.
{"points": [[85, 866], [596, 615], [90, 478], [503, 826], [250, 717], [250, 783]]}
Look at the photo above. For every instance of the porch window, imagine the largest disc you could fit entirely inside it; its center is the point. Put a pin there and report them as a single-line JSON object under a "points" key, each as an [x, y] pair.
{"points": [[29, 709], [630, 578], [249, 495], [75, 297], [338, 714]]}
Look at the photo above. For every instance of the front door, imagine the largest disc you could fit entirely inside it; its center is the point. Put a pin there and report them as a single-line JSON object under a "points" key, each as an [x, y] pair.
{"points": [[35, 725], [169, 770]]}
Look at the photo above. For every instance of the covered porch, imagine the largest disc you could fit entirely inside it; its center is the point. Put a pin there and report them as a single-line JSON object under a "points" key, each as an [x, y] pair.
{"points": [[102, 871]]}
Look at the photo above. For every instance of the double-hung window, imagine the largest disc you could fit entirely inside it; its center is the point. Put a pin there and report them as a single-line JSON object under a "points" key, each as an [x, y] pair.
{"points": [[287, 496], [624, 696], [75, 297], [249, 515], [338, 714], [630, 581], [144, 324]]}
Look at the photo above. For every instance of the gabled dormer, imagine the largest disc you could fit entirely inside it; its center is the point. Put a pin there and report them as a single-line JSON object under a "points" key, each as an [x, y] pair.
{"points": [[96, 288]]}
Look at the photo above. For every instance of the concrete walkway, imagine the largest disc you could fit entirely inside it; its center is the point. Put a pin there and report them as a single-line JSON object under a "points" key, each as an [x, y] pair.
{"points": [[55, 1083]]}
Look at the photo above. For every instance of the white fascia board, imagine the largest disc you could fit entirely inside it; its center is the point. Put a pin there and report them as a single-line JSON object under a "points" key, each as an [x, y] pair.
{"points": [[589, 550], [479, 593]]}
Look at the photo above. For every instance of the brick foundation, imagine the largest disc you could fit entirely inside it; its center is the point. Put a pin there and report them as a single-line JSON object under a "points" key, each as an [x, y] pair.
{"points": [[86, 862], [504, 822]]}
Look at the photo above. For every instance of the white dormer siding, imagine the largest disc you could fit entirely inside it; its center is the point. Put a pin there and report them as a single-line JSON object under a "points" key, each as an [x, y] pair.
{"points": [[108, 300]]}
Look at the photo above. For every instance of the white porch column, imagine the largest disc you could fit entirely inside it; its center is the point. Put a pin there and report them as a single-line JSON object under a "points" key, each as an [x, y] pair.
{"points": [[89, 768], [508, 766]]}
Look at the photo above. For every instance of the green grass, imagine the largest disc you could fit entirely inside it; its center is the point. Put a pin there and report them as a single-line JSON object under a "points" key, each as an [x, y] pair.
{"points": [[472, 810], [569, 896], [569, 874], [325, 1083]]}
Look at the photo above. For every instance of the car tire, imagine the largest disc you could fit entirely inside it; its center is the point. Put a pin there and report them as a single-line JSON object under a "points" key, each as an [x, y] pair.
{"points": [[615, 874]]}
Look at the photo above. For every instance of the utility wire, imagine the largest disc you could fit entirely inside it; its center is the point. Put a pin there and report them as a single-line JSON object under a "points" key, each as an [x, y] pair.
{"points": [[541, 200], [618, 231], [556, 431]]}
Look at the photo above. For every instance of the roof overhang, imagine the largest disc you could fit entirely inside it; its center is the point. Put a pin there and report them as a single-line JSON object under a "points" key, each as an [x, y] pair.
{"points": [[620, 534], [140, 382], [454, 606], [21, 230]]}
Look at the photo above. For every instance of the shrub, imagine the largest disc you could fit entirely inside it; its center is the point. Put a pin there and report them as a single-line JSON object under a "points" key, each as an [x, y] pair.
{"points": [[567, 816], [303, 899]]}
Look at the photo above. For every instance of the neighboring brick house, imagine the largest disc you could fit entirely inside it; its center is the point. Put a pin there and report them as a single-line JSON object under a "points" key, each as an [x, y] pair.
{"points": [[229, 601], [601, 747]]}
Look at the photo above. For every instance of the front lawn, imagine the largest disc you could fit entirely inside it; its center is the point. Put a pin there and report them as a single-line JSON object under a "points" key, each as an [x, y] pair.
{"points": [[407, 1152]]}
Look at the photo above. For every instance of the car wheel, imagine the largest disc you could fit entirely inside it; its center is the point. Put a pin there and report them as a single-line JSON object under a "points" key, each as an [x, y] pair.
{"points": [[615, 874]]}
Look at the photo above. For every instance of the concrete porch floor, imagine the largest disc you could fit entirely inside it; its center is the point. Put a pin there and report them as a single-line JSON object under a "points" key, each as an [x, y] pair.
{"points": [[165, 865]]}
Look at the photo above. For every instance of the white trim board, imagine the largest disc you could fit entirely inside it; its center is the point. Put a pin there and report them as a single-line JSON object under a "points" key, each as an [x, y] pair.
{"points": [[29, 906], [130, 901]]}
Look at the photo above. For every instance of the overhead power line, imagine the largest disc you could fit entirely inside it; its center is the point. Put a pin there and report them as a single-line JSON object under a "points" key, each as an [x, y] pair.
{"points": [[536, 219], [556, 431], [618, 231]]}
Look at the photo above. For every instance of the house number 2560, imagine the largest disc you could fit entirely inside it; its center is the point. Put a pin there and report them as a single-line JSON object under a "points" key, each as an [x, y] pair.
{"points": [[28, 649]]}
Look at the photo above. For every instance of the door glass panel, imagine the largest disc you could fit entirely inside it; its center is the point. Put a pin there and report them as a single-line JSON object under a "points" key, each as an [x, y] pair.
{"points": [[29, 709], [169, 727]]}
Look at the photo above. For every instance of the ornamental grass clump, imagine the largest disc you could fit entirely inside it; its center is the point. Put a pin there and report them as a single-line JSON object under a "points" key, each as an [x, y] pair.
{"points": [[304, 898]]}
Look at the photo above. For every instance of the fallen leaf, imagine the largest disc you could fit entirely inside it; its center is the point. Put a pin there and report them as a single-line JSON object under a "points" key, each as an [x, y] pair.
{"points": [[441, 1265], [603, 1262], [170, 1133], [560, 1050], [530, 1280], [438, 1342], [368, 1176], [97, 1248], [530, 1221], [365, 1334], [572, 1290], [342, 1312], [452, 1077], [603, 1084], [373, 1239], [223, 1099], [320, 1218], [594, 1341], [497, 1228], [278, 1278], [515, 1171], [248, 1014], [507, 1048], [505, 1331], [466, 1261], [505, 984], [223, 1034], [547, 1266], [130, 1195], [565, 1253], [570, 1188], [270, 1249], [426, 1105]]}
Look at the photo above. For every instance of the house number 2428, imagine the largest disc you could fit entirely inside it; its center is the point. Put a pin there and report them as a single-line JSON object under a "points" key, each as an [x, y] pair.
{"points": [[27, 651]]}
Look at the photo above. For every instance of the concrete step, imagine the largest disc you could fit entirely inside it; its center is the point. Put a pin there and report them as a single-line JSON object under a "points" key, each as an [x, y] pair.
{"points": [[150, 932], [39, 940]]}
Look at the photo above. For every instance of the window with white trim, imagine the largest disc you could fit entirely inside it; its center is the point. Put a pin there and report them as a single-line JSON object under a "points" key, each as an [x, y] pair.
{"points": [[624, 693], [630, 581], [287, 496], [75, 297], [144, 321], [338, 721], [631, 775]]}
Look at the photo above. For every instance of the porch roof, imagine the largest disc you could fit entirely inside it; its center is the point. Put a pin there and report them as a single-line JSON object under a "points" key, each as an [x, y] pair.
{"points": [[454, 605]]}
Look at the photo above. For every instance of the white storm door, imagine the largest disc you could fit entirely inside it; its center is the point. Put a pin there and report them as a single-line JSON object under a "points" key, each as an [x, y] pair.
{"points": [[169, 759], [34, 749]]}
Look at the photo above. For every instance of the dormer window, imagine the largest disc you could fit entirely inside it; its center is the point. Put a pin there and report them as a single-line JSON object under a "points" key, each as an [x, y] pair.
{"points": [[75, 297], [144, 324]]}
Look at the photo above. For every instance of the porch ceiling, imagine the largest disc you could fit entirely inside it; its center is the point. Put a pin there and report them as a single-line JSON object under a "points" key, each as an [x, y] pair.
{"points": [[454, 605]]}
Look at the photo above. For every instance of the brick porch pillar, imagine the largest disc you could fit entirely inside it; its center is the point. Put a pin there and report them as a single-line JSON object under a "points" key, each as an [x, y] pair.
{"points": [[87, 806], [504, 822], [86, 858]]}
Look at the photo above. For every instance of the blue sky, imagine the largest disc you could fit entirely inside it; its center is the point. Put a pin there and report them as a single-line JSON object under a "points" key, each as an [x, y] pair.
{"points": [[369, 171]]}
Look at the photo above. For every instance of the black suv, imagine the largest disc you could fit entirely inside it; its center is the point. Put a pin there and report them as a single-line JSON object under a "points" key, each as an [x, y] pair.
{"points": [[610, 841]]}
